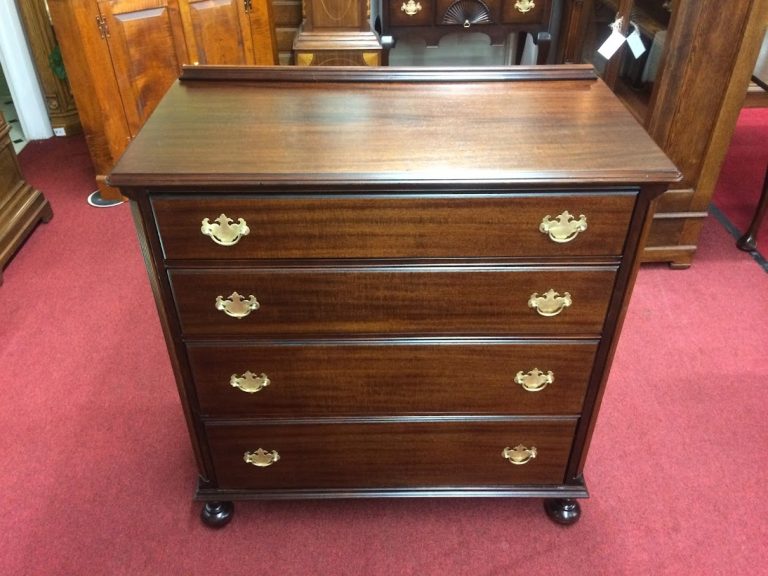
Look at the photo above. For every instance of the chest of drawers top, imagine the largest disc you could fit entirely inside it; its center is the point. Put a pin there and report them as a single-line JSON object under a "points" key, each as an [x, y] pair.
{"points": [[385, 128]]}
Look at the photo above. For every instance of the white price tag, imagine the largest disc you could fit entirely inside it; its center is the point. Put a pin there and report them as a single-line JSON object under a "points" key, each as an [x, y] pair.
{"points": [[635, 42], [612, 44]]}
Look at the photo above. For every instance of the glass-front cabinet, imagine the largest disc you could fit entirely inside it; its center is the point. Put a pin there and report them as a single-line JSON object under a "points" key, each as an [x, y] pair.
{"points": [[686, 88], [631, 74]]}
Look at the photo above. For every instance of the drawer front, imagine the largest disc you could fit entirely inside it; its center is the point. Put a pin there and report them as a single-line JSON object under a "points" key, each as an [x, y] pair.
{"points": [[394, 227], [466, 300], [528, 12], [411, 12], [390, 455], [321, 379]]}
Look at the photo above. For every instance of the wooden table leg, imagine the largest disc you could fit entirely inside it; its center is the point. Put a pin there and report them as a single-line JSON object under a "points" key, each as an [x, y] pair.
{"points": [[748, 242]]}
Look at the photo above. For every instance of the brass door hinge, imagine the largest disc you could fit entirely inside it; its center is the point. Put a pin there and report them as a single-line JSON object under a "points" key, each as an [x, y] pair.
{"points": [[248, 5], [101, 22]]}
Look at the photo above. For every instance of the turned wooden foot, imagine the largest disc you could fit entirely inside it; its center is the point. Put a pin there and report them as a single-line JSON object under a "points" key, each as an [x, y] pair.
{"points": [[217, 514], [563, 510]]}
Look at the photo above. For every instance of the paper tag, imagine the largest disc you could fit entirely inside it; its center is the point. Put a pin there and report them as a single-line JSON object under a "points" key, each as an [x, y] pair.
{"points": [[612, 44], [635, 42]]}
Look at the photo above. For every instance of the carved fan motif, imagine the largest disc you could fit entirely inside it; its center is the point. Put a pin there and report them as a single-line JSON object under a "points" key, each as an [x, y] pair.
{"points": [[467, 12]]}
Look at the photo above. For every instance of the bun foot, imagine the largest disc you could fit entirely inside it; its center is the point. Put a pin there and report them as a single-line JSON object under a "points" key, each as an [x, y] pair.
{"points": [[217, 514], [564, 511]]}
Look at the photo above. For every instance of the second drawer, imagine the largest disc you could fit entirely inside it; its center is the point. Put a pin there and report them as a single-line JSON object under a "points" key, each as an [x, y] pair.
{"points": [[326, 379], [458, 300]]}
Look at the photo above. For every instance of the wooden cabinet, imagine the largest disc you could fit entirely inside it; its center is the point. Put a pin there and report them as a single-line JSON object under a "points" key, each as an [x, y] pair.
{"points": [[21, 206], [352, 311], [43, 48], [122, 55], [687, 90]]}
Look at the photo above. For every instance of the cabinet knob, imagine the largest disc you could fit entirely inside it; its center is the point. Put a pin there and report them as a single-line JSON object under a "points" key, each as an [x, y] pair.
{"points": [[564, 227], [525, 5], [549, 304], [224, 230], [249, 382], [261, 458], [535, 380], [237, 306], [520, 454]]}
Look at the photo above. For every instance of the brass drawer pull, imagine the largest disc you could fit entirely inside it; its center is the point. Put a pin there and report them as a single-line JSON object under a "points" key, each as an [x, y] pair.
{"points": [[519, 455], [249, 382], [411, 8], [237, 306], [535, 380], [564, 228], [549, 304], [261, 458], [525, 5], [224, 231]]}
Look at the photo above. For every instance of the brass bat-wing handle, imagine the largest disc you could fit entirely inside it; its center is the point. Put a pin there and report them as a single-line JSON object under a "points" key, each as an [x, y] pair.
{"points": [[224, 230], [535, 380], [261, 458], [520, 454], [237, 306], [525, 5], [564, 228], [549, 303], [249, 382]]}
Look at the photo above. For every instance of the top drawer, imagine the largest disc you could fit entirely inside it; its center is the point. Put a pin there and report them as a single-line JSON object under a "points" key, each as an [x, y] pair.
{"points": [[439, 226]]}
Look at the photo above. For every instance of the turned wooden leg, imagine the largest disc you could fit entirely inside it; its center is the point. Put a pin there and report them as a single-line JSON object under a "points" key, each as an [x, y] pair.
{"points": [[748, 242], [563, 510], [217, 514], [543, 41]]}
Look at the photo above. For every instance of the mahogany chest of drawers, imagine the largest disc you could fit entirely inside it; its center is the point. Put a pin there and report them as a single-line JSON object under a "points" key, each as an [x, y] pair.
{"points": [[383, 282]]}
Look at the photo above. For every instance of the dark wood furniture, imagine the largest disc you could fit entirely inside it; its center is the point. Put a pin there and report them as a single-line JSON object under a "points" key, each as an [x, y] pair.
{"points": [[430, 20], [21, 206], [354, 311], [121, 56], [691, 103], [748, 241]]}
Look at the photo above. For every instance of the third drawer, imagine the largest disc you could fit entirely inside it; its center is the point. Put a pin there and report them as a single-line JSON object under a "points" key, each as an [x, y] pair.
{"points": [[349, 378]]}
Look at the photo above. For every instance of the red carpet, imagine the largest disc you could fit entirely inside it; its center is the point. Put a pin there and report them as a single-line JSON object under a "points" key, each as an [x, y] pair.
{"points": [[98, 473]]}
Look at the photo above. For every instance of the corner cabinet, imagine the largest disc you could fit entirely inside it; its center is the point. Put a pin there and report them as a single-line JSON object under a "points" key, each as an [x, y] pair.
{"points": [[122, 55], [322, 277], [686, 90]]}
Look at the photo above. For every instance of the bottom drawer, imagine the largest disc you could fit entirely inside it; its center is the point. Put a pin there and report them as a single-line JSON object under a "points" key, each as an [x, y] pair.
{"points": [[390, 455]]}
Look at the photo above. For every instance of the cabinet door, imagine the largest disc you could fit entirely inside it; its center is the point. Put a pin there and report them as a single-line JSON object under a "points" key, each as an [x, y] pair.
{"points": [[262, 31], [146, 44], [228, 31], [217, 31], [89, 70]]}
